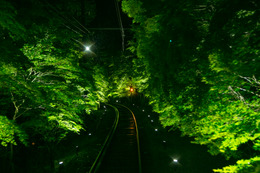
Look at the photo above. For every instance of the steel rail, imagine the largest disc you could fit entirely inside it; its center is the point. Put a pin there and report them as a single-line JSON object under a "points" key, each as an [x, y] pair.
{"points": [[98, 162], [95, 166], [137, 138]]}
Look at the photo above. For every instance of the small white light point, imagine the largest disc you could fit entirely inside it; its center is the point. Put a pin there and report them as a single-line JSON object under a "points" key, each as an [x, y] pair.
{"points": [[143, 110], [116, 100], [61, 162], [175, 160], [87, 48], [156, 130], [151, 120], [149, 116], [89, 134]]}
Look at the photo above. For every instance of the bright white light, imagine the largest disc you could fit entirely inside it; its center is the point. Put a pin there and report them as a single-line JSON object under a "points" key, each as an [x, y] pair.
{"points": [[116, 100], [143, 110], [164, 141], [156, 130], [175, 160], [149, 116], [151, 120], [104, 106], [89, 134], [87, 48], [61, 162]]}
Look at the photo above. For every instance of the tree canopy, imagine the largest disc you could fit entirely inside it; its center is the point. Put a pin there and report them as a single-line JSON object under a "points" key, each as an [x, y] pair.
{"points": [[196, 61], [200, 64], [43, 85]]}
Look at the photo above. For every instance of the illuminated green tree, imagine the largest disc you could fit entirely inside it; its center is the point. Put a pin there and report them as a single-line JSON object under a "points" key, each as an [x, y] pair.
{"points": [[43, 92], [200, 63]]}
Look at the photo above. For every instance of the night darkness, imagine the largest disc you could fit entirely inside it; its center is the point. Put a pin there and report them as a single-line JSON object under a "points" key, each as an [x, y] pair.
{"points": [[118, 86]]}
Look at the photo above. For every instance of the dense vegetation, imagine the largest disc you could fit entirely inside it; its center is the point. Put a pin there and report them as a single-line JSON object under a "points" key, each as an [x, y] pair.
{"points": [[196, 61], [47, 81], [200, 63]]}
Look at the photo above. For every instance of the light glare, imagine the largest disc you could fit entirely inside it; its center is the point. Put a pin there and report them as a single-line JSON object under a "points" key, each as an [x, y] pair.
{"points": [[87, 48]]}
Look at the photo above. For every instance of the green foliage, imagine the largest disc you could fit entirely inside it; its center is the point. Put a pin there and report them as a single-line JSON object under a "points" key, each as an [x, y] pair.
{"points": [[44, 90], [9, 132], [248, 165], [8, 21], [226, 125], [196, 61], [199, 63], [101, 84], [134, 9]]}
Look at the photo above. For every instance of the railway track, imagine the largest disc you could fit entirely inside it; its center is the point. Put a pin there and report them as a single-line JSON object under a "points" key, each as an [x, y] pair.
{"points": [[120, 152]]}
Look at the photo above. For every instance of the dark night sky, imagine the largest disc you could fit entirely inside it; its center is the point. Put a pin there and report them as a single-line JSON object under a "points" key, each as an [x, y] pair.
{"points": [[106, 14], [106, 17]]}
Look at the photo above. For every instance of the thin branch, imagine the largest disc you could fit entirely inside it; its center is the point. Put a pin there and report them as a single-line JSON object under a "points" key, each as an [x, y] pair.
{"points": [[251, 92], [23, 112]]}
